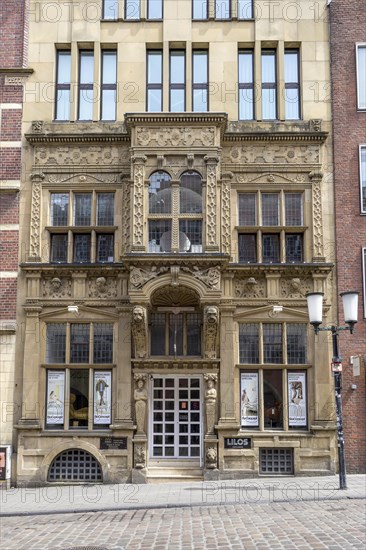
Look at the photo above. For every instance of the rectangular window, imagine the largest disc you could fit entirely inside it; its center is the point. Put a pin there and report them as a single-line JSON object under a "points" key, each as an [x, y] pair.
{"points": [[103, 343], [110, 9], [79, 398], [270, 248], [246, 85], [82, 244], [175, 334], [63, 76], [154, 81], [292, 85], [79, 343], [59, 244], [56, 343], [249, 343], [199, 9], [132, 9], [269, 85], [273, 399], [157, 334], [296, 343], [160, 235], [109, 85], [86, 80], [155, 9], [247, 248], [363, 178], [105, 248], [200, 81], [361, 76], [247, 209], [293, 209], [245, 9], [294, 248], [272, 343], [177, 81], [105, 209], [270, 209], [222, 9], [190, 236], [59, 209], [82, 209]]}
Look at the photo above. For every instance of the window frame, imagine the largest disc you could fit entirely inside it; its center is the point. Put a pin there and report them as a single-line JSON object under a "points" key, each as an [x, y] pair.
{"points": [[230, 14], [293, 85], [126, 4], [201, 18], [362, 148], [104, 18], [200, 86], [169, 314], [154, 86], [359, 45], [59, 87], [270, 85], [246, 85], [85, 86], [251, 18], [106, 87], [148, 18], [177, 86]]}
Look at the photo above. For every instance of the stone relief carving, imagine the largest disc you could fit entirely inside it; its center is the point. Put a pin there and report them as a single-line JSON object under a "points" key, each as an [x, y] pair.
{"points": [[140, 396], [226, 217], [210, 399], [139, 331], [140, 456], [138, 276], [269, 178], [90, 155], [250, 288], [91, 178], [126, 210], [315, 124], [37, 126], [211, 457], [102, 287], [317, 214], [211, 209], [209, 277], [35, 217], [138, 199], [175, 137], [211, 327], [56, 287], [295, 287], [272, 154]]}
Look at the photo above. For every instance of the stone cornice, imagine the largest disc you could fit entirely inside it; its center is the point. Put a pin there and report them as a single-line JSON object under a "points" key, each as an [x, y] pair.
{"points": [[157, 119], [171, 363], [77, 138], [285, 269], [315, 137], [16, 71], [201, 260], [69, 269]]}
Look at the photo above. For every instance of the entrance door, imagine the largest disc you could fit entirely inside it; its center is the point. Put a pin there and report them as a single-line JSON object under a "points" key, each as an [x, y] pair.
{"points": [[176, 419]]}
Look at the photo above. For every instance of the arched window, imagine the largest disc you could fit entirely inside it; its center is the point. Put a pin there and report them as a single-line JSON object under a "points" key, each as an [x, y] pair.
{"points": [[75, 465], [160, 193]]}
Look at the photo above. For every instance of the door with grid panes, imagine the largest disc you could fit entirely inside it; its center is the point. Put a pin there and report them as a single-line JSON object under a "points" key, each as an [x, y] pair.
{"points": [[176, 417]]}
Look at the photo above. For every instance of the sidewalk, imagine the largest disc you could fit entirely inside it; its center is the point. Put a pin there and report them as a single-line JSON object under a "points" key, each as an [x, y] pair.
{"points": [[59, 499]]}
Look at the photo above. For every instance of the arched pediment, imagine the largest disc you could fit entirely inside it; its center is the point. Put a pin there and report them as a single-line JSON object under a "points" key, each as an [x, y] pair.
{"points": [[83, 313], [267, 313]]}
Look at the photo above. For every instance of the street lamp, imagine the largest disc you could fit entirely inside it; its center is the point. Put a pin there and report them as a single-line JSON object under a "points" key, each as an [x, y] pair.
{"points": [[315, 309]]}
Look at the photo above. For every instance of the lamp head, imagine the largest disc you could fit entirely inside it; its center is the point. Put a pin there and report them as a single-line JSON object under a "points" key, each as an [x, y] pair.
{"points": [[315, 309], [350, 308]]}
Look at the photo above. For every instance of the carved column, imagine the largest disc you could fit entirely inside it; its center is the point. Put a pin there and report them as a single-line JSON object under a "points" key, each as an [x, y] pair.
{"points": [[211, 204], [126, 216], [228, 353], [175, 211], [35, 231], [210, 399], [138, 162], [226, 214], [211, 324], [122, 394], [140, 397], [139, 331], [318, 248]]}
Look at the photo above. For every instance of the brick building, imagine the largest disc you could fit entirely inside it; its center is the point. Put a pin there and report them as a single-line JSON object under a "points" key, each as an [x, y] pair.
{"points": [[348, 54]]}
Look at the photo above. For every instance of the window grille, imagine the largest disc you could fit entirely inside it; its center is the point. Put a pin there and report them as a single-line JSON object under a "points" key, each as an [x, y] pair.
{"points": [[276, 461], [75, 465]]}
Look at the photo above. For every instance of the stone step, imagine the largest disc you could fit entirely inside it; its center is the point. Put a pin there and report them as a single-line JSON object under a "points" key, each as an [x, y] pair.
{"points": [[174, 475]]}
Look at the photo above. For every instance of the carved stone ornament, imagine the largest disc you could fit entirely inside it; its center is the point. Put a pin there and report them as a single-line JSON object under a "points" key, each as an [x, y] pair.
{"points": [[209, 277], [271, 154], [249, 288], [175, 137], [317, 216], [140, 456], [95, 155], [211, 457], [138, 199], [138, 276], [211, 209], [211, 326], [316, 124], [139, 331], [37, 126], [140, 397], [226, 217], [35, 218], [56, 287], [295, 287], [102, 287], [210, 399]]}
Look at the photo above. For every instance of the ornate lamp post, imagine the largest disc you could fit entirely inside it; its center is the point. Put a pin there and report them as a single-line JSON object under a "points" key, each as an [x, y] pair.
{"points": [[315, 309]]}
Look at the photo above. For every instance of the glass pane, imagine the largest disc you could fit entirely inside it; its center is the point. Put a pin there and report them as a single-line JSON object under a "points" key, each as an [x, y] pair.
{"points": [[177, 67], [247, 248], [63, 105], [245, 9], [269, 107], [59, 209], [200, 101], [82, 208], [199, 9], [272, 343], [103, 343], [86, 100], [269, 67], [63, 67], [79, 343], [86, 67], [154, 101], [132, 9], [176, 334], [249, 343], [363, 178], [270, 248], [194, 323], [296, 343], [154, 67], [361, 76], [56, 343], [79, 398], [109, 64], [270, 209], [157, 335], [272, 399], [177, 101], [292, 104], [108, 105], [160, 193], [291, 67], [155, 9], [110, 9], [222, 10], [82, 248], [190, 193], [294, 248], [246, 67], [247, 209], [105, 248], [200, 67], [105, 209], [246, 104], [293, 209], [190, 236], [59, 248], [160, 236]]}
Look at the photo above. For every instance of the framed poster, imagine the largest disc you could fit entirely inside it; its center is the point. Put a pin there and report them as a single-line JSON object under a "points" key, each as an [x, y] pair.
{"points": [[102, 397], [55, 397], [297, 413], [249, 399]]}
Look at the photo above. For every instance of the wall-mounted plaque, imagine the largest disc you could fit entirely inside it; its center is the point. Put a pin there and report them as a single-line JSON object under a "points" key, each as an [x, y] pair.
{"points": [[113, 443]]}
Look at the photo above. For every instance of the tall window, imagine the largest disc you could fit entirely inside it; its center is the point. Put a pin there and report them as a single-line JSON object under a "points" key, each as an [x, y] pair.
{"points": [[246, 85], [361, 75], [363, 178], [175, 334], [292, 85], [86, 80], [155, 9], [271, 227], [154, 81], [269, 85], [199, 9], [109, 85], [132, 9], [110, 9], [245, 9], [222, 9], [63, 72], [200, 81], [177, 81], [169, 202]]}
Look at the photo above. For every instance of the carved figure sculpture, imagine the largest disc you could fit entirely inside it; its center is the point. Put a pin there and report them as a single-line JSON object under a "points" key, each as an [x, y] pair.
{"points": [[139, 330], [55, 284], [101, 284], [211, 457], [140, 396], [211, 324], [140, 456], [210, 398]]}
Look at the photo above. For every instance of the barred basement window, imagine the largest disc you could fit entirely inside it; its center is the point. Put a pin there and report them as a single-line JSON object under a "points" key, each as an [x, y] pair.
{"points": [[277, 461], [75, 465]]}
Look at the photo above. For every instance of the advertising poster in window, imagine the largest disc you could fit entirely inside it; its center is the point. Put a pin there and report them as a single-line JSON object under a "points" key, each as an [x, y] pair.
{"points": [[102, 397], [55, 397], [249, 399], [297, 399]]}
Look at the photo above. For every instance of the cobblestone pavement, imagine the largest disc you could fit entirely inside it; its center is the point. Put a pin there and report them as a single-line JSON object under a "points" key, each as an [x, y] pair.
{"points": [[319, 525]]}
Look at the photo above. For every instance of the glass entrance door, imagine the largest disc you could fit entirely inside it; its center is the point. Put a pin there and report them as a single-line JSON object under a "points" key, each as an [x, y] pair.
{"points": [[176, 419]]}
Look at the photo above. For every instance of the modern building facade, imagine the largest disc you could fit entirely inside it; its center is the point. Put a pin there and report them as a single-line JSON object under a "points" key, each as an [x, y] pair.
{"points": [[348, 54], [178, 170]]}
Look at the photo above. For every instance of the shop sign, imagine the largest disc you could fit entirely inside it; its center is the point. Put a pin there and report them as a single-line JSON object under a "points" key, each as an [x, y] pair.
{"points": [[237, 443]]}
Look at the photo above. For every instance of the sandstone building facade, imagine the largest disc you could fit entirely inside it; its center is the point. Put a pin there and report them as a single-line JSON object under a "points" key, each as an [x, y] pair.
{"points": [[178, 169]]}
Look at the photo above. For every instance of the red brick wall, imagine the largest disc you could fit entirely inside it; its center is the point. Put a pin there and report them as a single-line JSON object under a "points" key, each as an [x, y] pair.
{"points": [[8, 291], [11, 121], [347, 28], [9, 208], [12, 24], [9, 250]]}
